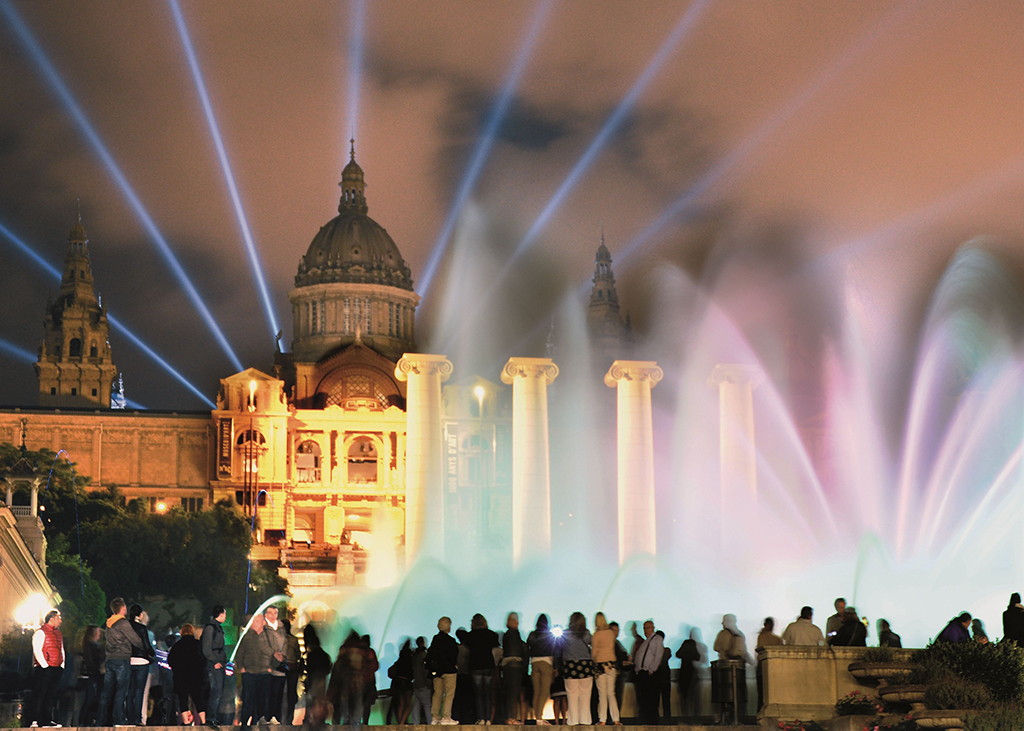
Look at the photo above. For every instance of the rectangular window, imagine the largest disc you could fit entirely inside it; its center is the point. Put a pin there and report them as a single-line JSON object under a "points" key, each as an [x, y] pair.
{"points": [[199, 504], [366, 315], [74, 391], [323, 316], [314, 324], [53, 391], [346, 316], [391, 318], [94, 392]]}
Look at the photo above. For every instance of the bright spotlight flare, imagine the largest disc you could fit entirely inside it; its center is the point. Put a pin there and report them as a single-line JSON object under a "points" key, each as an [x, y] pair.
{"points": [[121, 328], [64, 94], [357, 28], [225, 166], [486, 141]]}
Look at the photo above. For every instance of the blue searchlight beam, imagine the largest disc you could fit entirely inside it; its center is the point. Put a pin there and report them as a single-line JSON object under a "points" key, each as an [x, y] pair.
{"points": [[64, 94], [225, 166]]}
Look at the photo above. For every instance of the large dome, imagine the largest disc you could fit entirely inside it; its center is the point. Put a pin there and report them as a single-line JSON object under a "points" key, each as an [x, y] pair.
{"points": [[352, 247]]}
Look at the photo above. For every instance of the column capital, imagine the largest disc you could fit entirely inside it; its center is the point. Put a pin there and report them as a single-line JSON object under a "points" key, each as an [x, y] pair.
{"points": [[633, 370], [736, 373], [529, 368], [423, 364]]}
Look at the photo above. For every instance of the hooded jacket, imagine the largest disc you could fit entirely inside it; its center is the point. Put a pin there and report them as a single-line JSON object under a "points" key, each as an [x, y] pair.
{"points": [[121, 638]]}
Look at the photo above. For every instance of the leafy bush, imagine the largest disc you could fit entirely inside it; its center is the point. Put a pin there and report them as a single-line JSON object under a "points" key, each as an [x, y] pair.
{"points": [[856, 703], [999, 666], [1004, 718], [902, 723], [879, 654], [956, 693]]}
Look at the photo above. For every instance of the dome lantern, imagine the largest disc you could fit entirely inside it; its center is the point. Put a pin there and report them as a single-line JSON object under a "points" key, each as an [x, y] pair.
{"points": [[353, 186]]}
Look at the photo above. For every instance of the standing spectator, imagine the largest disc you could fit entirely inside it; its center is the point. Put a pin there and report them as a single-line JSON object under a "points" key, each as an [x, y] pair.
{"points": [[47, 668], [540, 644], [317, 666], [252, 662], [886, 637], [139, 662], [277, 641], [464, 709], [121, 640], [730, 644], [1013, 620], [401, 684], [513, 665], [692, 654], [978, 632], [216, 661], [647, 660], [623, 664], [442, 661], [958, 630], [481, 642], [851, 633], [578, 669], [92, 671], [803, 631], [833, 623], [369, 665], [346, 688], [293, 658], [422, 684], [605, 669], [189, 668], [663, 682], [765, 638]]}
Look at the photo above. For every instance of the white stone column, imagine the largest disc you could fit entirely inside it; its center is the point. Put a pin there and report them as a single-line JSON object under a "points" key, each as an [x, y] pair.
{"points": [[424, 474], [633, 381], [531, 476], [737, 447]]}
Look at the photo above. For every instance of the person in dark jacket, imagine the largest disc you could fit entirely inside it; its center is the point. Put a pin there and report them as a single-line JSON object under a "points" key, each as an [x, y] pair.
{"points": [[481, 642], [216, 659], [92, 672], [958, 630], [513, 664], [120, 641], [540, 645], [293, 658], [1013, 620], [317, 666], [851, 633], [886, 637], [347, 688], [140, 665], [422, 684], [401, 684], [189, 668], [442, 661], [253, 659]]}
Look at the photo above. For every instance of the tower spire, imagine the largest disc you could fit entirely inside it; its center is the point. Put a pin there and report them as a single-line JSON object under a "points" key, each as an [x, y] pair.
{"points": [[353, 187]]}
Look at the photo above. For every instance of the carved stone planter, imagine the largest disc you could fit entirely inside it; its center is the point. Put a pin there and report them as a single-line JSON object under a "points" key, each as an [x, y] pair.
{"points": [[882, 672], [951, 719], [912, 694]]}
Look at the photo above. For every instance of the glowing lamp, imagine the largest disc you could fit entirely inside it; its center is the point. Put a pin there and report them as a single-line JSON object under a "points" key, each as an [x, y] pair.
{"points": [[30, 614], [556, 631], [161, 507]]}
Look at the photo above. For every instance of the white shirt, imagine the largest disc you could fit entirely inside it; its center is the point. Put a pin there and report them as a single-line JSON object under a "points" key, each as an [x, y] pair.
{"points": [[650, 653], [803, 632]]}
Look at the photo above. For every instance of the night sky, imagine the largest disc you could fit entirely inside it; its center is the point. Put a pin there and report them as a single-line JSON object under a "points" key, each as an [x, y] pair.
{"points": [[869, 136]]}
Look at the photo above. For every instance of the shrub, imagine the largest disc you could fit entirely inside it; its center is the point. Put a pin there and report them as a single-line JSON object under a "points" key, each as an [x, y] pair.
{"points": [[856, 703], [956, 693], [881, 723], [1004, 718], [999, 666], [879, 654]]}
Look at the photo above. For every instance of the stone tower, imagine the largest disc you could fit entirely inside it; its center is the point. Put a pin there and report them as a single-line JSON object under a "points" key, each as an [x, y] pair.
{"points": [[74, 366], [611, 337]]}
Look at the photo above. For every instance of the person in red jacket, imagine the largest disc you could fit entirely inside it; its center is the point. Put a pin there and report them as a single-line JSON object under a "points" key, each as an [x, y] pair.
{"points": [[47, 667]]}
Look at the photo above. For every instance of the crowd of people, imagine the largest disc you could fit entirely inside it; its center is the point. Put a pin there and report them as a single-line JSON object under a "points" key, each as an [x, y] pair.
{"points": [[474, 676]]}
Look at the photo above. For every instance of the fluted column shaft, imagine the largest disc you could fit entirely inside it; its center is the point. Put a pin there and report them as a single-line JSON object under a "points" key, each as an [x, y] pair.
{"points": [[633, 381], [738, 453], [424, 458], [531, 459]]}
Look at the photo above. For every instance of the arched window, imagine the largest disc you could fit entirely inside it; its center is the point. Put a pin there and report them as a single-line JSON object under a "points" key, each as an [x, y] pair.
{"points": [[93, 350], [251, 443], [75, 348], [362, 460], [307, 461]]}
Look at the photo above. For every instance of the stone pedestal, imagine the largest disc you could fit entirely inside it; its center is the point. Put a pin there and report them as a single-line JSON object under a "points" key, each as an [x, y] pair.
{"points": [[531, 478], [424, 475], [633, 381], [738, 453]]}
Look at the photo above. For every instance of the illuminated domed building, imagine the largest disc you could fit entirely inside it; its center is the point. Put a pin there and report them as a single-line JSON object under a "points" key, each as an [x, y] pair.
{"points": [[317, 447]]}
